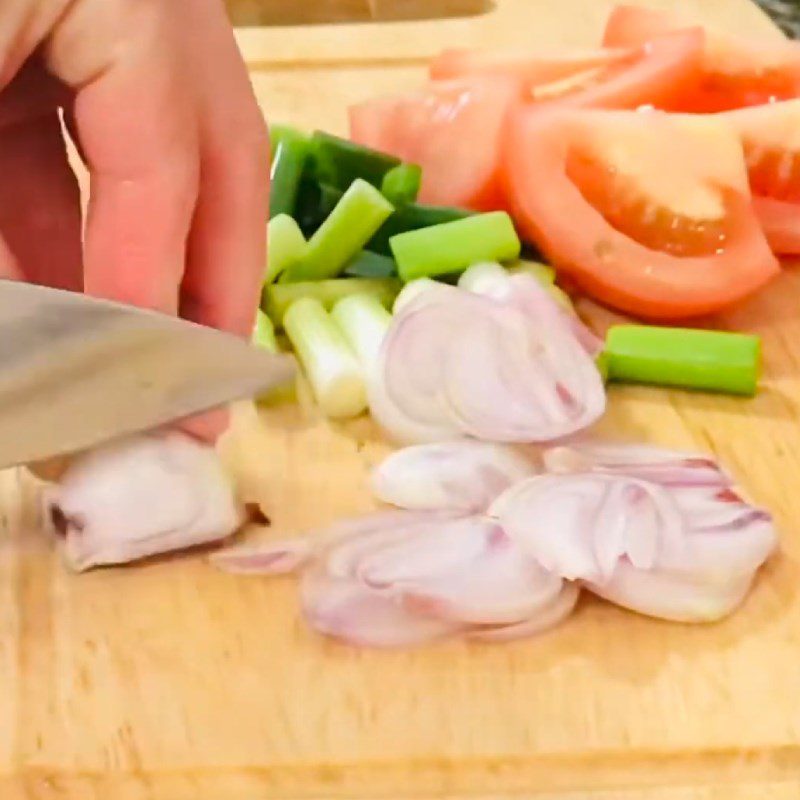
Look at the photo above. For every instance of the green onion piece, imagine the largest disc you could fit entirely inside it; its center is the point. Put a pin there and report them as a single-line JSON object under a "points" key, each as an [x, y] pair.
{"points": [[692, 359], [601, 362], [412, 217], [332, 369], [264, 336], [452, 247], [480, 278], [338, 162], [370, 265], [280, 133], [401, 184], [360, 212], [286, 245], [541, 272], [411, 291], [264, 333], [364, 323], [286, 172], [277, 297]]}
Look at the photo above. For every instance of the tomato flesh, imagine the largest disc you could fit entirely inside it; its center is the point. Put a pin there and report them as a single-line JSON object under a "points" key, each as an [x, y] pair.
{"points": [[771, 139], [654, 242], [736, 72], [452, 129]]}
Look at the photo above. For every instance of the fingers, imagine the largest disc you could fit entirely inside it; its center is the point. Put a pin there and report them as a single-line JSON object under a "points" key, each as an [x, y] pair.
{"points": [[227, 245], [40, 215], [138, 135]]}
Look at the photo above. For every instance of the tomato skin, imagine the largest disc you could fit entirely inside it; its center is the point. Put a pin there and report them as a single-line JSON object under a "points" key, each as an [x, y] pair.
{"points": [[551, 211], [452, 129], [736, 72]]}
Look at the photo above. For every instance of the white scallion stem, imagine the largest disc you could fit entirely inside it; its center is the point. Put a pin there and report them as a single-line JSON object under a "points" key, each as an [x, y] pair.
{"points": [[364, 323], [329, 364]]}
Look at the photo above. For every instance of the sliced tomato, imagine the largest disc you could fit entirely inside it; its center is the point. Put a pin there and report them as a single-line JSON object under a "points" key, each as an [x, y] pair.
{"points": [[452, 129], [646, 211], [771, 139], [737, 72], [657, 73], [534, 68]]}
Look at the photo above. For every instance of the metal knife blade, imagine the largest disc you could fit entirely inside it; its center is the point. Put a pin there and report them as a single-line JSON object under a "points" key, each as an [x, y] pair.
{"points": [[76, 371]]}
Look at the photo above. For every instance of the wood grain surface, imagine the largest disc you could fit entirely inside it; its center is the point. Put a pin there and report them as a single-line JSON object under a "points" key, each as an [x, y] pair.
{"points": [[171, 681]]}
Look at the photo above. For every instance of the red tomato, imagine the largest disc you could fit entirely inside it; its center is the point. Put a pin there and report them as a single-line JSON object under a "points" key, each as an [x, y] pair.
{"points": [[535, 68], [648, 212], [657, 73], [737, 72], [452, 130], [771, 139]]}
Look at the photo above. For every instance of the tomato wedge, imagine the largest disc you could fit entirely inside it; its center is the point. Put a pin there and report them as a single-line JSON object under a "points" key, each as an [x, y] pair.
{"points": [[660, 241], [737, 72], [452, 129], [534, 68], [771, 139], [657, 73]]}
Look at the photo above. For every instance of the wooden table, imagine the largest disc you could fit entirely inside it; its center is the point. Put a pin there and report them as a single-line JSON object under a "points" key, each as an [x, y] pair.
{"points": [[175, 682]]}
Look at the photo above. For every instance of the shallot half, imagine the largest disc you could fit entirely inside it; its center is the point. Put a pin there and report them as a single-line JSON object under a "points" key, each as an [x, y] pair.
{"points": [[139, 497]]}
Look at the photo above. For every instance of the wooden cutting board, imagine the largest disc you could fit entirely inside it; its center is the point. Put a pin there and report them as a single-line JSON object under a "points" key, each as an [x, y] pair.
{"points": [[173, 682]]}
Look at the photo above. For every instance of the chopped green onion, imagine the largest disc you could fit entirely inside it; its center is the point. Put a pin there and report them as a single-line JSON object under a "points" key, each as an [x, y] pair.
{"points": [[364, 323], [315, 202], [692, 359], [370, 265], [412, 217], [277, 297], [601, 362], [331, 367], [357, 216], [286, 245], [264, 336], [411, 291], [541, 272], [281, 133], [481, 277], [452, 247], [286, 172], [264, 333], [401, 184], [338, 162]]}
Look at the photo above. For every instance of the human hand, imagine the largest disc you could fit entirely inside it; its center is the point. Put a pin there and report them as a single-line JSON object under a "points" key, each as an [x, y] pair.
{"points": [[157, 100]]}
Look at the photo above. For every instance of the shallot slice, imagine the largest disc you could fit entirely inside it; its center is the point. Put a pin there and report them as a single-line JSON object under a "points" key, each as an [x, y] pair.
{"points": [[504, 368], [463, 475], [139, 497], [353, 613], [683, 549], [581, 526], [659, 465], [283, 557], [547, 617]]}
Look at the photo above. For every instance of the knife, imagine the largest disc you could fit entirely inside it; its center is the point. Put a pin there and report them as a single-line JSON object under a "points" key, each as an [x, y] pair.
{"points": [[76, 371]]}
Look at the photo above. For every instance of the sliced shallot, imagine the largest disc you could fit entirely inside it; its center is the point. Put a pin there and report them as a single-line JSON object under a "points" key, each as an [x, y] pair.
{"points": [[685, 548], [506, 366], [464, 475], [666, 467]]}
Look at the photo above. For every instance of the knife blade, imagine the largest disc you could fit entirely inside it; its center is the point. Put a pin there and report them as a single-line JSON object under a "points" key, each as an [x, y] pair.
{"points": [[76, 371]]}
